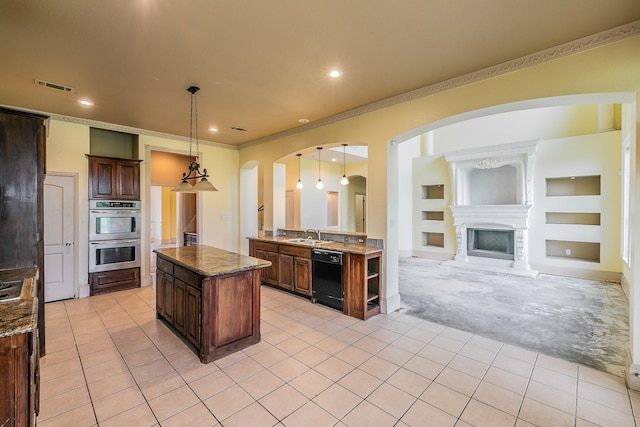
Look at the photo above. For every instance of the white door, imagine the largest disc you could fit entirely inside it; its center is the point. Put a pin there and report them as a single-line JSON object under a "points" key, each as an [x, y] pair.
{"points": [[360, 209], [59, 218]]}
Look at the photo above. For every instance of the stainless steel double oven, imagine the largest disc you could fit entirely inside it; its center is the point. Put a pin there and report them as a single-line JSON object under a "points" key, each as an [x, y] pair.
{"points": [[114, 235]]}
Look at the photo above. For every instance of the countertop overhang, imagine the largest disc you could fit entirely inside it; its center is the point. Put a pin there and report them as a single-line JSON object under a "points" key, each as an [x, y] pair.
{"points": [[210, 261]]}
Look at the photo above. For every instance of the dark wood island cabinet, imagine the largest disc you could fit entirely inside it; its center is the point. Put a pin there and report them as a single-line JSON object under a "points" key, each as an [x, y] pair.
{"points": [[211, 297]]}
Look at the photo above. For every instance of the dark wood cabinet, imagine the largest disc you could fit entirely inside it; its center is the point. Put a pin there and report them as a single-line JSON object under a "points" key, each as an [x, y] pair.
{"points": [[302, 275], [218, 314], [17, 371], [268, 252], [22, 171], [115, 280], [285, 271], [179, 298], [19, 354], [290, 265], [114, 178], [362, 284]]}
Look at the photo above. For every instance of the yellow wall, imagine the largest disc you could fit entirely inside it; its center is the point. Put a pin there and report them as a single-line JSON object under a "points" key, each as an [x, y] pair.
{"points": [[168, 214]]}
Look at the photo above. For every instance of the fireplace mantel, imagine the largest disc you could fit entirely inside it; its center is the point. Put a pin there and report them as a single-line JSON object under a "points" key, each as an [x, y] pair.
{"points": [[493, 190]]}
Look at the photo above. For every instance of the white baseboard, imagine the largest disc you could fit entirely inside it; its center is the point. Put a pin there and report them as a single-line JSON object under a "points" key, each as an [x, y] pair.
{"points": [[390, 304], [438, 256], [84, 290]]}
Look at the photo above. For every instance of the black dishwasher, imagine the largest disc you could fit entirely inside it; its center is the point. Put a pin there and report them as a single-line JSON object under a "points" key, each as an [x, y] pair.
{"points": [[327, 283]]}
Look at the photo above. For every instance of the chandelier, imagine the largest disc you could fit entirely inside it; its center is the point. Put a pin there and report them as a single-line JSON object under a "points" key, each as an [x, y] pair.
{"points": [[194, 167]]}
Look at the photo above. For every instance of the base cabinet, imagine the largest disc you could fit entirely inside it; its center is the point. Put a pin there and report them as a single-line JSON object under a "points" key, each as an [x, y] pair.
{"points": [[362, 289], [19, 372], [116, 280], [217, 314], [290, 265]]}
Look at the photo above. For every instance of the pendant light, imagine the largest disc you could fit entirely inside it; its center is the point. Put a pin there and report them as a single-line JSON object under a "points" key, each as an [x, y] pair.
{"points": [[319, 184], [194, 167], [344, 180], [299, 184]]}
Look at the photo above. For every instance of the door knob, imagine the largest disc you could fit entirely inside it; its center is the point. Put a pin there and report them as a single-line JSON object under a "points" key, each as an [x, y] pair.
{"points": [[67, 244]]}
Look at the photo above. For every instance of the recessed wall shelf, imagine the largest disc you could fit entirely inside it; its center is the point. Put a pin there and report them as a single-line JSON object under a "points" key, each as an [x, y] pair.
{"points": [[574, 186], [433, 239], [578, 218], [578, 251], [433, 191], [433, 215]]}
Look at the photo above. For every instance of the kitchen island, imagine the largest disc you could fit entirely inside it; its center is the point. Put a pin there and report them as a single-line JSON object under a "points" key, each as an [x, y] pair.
{"points": [[211, 297]]}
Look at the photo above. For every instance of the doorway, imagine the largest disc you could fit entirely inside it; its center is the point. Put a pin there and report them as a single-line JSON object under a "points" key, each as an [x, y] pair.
{"points": [[59, 231]]}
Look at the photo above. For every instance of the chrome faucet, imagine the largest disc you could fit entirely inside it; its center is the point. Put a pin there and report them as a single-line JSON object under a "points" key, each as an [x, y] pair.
{"points": [[316, 232]]}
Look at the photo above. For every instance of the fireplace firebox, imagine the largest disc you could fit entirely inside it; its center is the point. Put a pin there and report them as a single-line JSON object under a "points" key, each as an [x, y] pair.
{"points": [[490, 243]]}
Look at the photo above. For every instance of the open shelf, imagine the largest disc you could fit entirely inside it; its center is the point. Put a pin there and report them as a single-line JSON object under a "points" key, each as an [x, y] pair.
{"points": [[578, 218], [433, 239], [433, 215], [570, 250], [574, 186], [433, 191]]}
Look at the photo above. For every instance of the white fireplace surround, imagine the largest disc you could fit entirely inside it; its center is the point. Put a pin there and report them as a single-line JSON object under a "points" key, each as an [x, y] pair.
{"points": [[498, 199]]}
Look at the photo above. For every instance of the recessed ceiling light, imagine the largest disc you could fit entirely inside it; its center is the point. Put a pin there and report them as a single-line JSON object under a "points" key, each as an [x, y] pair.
{"points": [[212, 129], [335, 73], [334, 159], [303, 121], [86, 102]]}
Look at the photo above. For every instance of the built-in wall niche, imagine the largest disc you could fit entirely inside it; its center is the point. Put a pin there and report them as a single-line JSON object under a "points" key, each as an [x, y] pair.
{"points": [[578, 218], [574, 186], [110, 143], [433, 191], [433, 215], [433, 239], [496, 186], [579, 251]]}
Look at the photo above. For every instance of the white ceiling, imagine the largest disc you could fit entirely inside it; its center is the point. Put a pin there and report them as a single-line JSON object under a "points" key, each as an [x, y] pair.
{"points": [[262, 65]]}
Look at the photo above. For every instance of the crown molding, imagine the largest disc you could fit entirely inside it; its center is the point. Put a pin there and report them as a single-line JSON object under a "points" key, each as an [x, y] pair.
{"points": [[120, 128], [570, 48]]}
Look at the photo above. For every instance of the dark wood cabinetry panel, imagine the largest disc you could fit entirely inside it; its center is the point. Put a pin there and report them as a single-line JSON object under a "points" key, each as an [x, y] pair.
{"points": [[113, 178], [18, 380], [22, 170], [193, 313], [179, 298], [115, 280], [285, 271], [302, 275], [362, 290], [234, 307]]}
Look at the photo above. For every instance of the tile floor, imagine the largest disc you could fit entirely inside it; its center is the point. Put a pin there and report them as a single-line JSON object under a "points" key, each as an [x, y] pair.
{"points": [[109, 362]]}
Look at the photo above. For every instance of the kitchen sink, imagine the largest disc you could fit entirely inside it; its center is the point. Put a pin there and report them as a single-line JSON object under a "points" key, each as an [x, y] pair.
{"points": [[10, 291], [308, 241]]}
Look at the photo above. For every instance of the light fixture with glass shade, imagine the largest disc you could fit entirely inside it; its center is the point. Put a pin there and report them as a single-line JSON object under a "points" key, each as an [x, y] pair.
{"points": [[299, 184], [344, 180], [319, 184], [194, 166]]}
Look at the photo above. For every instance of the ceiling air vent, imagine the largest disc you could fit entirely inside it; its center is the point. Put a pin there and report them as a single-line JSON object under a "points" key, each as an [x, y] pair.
{"points": [[238, 128], [55, 86]]}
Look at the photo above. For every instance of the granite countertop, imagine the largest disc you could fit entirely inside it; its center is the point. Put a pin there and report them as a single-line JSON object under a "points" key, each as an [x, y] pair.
{"points": [[353, 248], [19, 316], [209, 261]]}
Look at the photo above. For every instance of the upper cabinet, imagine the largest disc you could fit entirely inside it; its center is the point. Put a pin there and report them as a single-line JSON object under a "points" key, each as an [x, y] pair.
{"points": [[114, 178]]}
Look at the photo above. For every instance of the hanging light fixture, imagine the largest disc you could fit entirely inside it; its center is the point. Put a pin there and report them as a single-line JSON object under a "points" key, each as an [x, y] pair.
{"points": [[319, 184], [299, 184], [194, 167], [344, 180]]}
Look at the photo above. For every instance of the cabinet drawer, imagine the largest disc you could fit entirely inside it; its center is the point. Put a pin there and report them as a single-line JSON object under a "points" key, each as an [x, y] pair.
{"points": [[189, 277], [295, 251], [267, 246], [164, 265]]}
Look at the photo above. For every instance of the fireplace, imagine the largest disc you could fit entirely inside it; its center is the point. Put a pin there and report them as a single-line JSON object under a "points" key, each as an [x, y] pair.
{"points": [[489, 243], [492, 197]]}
